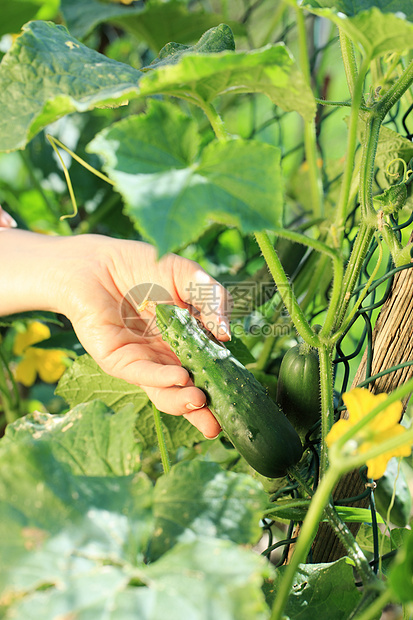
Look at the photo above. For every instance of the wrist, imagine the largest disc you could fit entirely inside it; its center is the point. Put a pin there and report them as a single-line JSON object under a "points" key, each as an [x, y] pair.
{"points": [[39, 271]]}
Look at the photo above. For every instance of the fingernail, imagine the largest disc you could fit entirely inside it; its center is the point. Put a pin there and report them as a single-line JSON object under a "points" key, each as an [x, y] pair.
{"points": [[7, 220], [211, 438], [192, 407], [224, 328]]}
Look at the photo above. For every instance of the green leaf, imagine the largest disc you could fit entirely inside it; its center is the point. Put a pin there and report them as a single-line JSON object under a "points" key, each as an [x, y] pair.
{"points": [[75, 545], [321, 591], [116, 451], [375, 27], [271, 70], [47, 74], [208, 579], [193, 580], [173, 197], [43, 493], [81, 18], [240, 350], [15, 14], [155, 22], [354, 7], [200, 499], [63, 340], [215, 40], [85, 381], [391, 146], [44, 317], [401, 573]]}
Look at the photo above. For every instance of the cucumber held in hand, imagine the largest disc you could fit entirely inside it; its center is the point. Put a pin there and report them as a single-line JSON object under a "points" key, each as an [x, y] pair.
{"points": [[251, 420]]}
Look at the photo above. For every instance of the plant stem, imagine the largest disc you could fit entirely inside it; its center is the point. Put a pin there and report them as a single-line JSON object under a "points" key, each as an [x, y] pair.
{"points": [[325, 353], [350, 152], [361, 298], [166, 464], [351, 545], [310, 141], [316, 244], [284, 288], [54, 141], [352, 272], [214, 118], [349, 61], [11, 405], [376, 608], [308, 531], [63, 226]]}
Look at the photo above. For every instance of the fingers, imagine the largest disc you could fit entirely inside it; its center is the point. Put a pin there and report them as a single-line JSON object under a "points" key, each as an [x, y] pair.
{"points": [[210, 299], [6, 220], [152, 374], [187, 401], [205, 422]]}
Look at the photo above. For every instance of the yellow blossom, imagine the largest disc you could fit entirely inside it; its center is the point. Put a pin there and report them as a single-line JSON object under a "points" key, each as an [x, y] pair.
{"points": [[35, 332], [49, 364], [383, 426]]}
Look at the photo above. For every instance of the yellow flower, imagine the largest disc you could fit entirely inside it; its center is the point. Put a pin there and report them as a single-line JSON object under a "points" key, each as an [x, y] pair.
{"points": [[35, 332], [49, 364], [383, 426]]}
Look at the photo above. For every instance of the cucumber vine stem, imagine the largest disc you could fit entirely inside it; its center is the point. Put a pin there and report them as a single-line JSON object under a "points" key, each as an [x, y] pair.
{"points": [[349, 60], [308, 530], [325, 353], [310, 140], [166, 464], [284, 288]]}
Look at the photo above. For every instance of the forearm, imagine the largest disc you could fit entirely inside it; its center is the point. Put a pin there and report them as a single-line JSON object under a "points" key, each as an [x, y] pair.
{"points": [[31, 272]]}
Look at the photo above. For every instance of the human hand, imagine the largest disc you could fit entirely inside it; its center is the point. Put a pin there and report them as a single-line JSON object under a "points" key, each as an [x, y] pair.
{"points": [[98, 288], [6, 220]]}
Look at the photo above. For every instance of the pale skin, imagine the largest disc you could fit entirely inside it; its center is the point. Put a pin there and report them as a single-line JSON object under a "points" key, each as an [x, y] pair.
{"points": [[85, 278]]}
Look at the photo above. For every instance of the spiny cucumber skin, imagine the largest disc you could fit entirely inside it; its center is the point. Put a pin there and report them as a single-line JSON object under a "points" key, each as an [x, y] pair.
{"points": [[252, 421]]}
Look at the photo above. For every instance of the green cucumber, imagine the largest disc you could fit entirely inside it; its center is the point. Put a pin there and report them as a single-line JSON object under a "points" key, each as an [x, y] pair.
{"points": [[251, 420], [298, 388]]}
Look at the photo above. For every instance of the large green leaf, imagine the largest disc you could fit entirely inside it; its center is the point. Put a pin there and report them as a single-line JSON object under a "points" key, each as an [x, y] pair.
{"points": [[75, 545], [200, 499], [353, 7], [213, 41], [42, 492], [209, 579], [90, 438], [173, 197], [375, 27], [196, 581], [47, 74], [271, 70], [322, 591], [85, 381], [402, 570], [154, 22]]}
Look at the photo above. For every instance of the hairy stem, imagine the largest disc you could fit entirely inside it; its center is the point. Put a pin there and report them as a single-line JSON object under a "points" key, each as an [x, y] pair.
{"points": [[161, 440], [309, 529], [327, 403], [310, 141], [284, 288]]}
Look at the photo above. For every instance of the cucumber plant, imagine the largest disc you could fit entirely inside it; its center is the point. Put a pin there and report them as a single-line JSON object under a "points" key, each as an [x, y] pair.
{"points": [[219, 145], [249, 417]]}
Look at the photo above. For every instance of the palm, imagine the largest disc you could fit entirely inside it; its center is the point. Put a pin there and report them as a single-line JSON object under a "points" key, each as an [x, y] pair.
{"points": [[125, 342]]}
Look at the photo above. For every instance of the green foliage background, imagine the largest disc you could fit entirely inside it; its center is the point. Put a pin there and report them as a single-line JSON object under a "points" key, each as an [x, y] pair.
{"points": [[89, 525]]}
